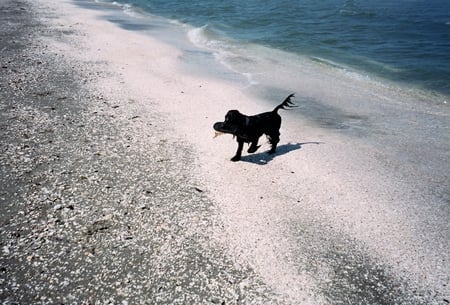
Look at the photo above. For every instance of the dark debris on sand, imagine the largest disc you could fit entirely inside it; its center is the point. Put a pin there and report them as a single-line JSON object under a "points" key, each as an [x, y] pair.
{"points": [[90, 212]]}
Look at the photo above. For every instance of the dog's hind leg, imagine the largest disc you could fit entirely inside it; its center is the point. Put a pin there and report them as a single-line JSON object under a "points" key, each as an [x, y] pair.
{"points": [[254, 146], [274, 138], [237, 157]]}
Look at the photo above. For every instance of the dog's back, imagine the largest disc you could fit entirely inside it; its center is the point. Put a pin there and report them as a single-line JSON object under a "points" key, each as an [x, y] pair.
{"points": [[265, 122]]}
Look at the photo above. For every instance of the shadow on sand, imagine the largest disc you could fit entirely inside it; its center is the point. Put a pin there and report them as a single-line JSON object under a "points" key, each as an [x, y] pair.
{"points": [[264, 157]]}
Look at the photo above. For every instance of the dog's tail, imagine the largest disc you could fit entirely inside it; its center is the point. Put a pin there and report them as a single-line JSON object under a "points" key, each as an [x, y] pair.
{"points": [[286, 104]]}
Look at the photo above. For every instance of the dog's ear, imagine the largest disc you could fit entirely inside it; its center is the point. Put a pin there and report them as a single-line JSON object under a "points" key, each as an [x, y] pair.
{"points": [[232, 116]]}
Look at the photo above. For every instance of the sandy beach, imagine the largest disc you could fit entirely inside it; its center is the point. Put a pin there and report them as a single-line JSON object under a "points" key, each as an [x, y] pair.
{"points": [[115, 191]]}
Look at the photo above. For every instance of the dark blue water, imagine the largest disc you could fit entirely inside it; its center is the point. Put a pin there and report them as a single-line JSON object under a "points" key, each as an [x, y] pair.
{"points": [[407, 41]]}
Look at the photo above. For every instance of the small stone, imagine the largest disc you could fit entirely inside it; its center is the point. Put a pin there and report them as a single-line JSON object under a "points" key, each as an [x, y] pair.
{"points": [[198, 189]]}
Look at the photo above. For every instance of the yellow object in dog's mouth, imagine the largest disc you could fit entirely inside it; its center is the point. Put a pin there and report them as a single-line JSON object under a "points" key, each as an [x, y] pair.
{"points": [[218, 133]]}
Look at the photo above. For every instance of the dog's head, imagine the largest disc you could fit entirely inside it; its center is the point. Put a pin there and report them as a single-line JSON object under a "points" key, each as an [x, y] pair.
{"points": [[234, 123], [233, 118]]}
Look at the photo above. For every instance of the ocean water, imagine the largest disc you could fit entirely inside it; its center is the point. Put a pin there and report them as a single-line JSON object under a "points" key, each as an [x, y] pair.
{"points": [[406, 42]]}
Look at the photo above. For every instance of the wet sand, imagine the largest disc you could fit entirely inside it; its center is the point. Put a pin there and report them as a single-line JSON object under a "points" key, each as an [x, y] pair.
{"points": [[114, 190]]}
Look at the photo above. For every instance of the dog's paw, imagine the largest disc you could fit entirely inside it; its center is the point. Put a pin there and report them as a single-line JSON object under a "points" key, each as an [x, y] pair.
{"points": [[235, 158]]}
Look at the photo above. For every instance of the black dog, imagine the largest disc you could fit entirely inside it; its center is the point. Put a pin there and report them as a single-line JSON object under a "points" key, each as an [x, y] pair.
{"points": [[248, 129]]}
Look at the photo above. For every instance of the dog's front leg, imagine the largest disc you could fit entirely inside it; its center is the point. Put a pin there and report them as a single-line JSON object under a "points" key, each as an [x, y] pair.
{"points": [[237, 157]]}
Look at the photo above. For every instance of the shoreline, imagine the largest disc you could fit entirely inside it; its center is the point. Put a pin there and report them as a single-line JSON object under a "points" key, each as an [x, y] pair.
{"points": [[221, 39], [299, 227]]}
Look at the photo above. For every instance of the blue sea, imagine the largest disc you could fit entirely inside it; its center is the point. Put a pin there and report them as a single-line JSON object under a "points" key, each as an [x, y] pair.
{"points": [[405, 42]]}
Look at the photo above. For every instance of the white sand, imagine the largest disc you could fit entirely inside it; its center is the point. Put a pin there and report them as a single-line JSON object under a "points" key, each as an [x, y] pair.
{"points": [[275, 214]]}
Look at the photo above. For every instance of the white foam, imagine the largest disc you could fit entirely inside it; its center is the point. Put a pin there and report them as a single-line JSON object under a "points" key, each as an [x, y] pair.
{"points": [[197, 37], [127, 8], [224, 49]]}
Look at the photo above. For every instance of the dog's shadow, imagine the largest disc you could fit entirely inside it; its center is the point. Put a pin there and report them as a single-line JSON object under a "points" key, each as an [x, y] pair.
{"points": [[264, 157]]}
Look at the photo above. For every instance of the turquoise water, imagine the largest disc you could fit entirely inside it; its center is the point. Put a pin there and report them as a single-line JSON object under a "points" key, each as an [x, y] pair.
{"points": [[404, 41]]}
